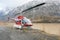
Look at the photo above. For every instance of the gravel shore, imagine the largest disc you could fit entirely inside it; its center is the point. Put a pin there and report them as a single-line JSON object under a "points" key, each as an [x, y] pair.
{"points": [[14, 34]]}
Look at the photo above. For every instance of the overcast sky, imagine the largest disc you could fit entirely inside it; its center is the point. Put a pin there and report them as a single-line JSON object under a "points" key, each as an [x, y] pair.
{"points": [[12, 3]]}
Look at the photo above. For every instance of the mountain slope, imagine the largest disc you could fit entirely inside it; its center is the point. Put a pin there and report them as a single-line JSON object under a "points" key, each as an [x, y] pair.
{"points": [[49, 11]]}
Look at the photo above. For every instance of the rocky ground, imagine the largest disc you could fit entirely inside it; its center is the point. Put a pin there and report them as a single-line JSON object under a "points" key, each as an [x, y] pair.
{"points": [[7, 33]]}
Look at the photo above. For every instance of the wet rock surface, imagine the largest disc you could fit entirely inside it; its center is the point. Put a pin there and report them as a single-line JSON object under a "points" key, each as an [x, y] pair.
{"points": [[14, 34]]}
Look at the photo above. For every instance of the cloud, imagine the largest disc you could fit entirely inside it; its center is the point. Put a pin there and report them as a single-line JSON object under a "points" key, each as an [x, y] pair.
{"points": [[13, 3]]}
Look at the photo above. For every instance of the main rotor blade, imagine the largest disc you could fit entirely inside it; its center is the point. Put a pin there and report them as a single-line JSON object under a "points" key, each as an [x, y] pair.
{"points": [[31, 8], [34, 7]]}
